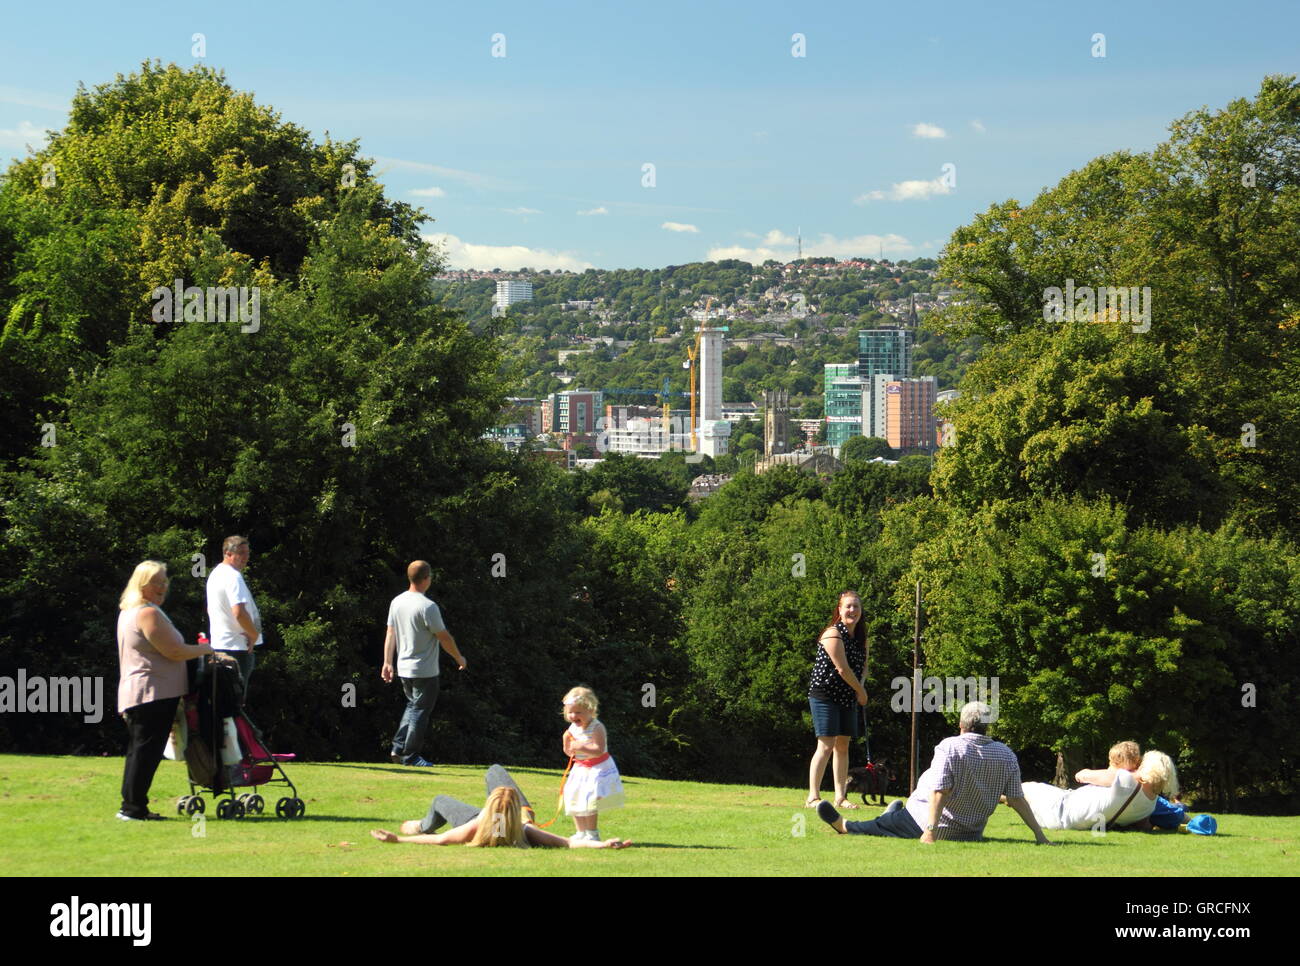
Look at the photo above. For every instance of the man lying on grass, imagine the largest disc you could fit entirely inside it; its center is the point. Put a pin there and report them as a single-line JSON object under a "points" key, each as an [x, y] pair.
{"points": [[957, 793]]}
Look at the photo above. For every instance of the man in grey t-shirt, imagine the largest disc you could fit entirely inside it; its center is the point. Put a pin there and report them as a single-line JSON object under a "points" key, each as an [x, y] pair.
{"points": [[414, 621]]}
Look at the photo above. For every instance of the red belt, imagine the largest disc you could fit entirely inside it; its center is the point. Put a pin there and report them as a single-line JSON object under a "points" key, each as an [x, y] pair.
{"points": [[588, 762]]}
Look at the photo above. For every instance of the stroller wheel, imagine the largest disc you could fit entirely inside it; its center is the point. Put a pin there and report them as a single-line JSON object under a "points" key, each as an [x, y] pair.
{"points": [[242, 799], [284, 808], [299, 808], [255, 805], [237, 810], [195, 804], [224, 808], [182, 804]]}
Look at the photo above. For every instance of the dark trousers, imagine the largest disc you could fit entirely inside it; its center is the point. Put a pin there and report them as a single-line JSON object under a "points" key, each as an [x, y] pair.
{"points": [[148, 726], [247, 660], [421, 696], [897, 824], [445, 810]]}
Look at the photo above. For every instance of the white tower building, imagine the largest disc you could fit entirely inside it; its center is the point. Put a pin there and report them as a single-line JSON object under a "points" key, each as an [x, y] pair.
{"points": [[714, 431]]}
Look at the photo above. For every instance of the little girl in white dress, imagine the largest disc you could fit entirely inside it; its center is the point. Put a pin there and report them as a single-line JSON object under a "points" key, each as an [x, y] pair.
{"points": [[593, 784]]}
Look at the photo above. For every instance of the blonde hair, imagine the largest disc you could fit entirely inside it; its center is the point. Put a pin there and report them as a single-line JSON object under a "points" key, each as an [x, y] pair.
{"points": [[143, 575], [500, 823], [1126, 755], [584, 698], [1157, 769]]}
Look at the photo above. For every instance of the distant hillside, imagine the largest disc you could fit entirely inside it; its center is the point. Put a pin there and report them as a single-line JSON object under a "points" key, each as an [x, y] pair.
{"points": [[629, 328]]}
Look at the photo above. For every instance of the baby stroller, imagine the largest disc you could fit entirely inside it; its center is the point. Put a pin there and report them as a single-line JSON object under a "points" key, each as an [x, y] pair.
{"points": [[219, 695]]}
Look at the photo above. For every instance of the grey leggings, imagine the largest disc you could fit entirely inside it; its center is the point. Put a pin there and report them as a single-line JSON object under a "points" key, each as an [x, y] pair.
{"points": [[447, 810]]}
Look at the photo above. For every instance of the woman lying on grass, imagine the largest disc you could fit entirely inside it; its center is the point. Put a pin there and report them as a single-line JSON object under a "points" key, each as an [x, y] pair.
{"points": [[1123, 794], [506, 819]]}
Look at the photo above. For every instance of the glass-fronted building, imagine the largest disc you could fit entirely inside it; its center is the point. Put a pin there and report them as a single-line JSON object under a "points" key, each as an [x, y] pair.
{"points": [[842, 399]]}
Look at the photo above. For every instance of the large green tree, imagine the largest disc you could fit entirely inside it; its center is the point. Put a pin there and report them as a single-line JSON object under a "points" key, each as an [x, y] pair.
{"points": [[341, 431]]}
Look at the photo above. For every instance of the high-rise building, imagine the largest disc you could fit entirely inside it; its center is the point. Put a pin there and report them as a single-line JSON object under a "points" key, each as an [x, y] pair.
{"points": [[842, 401], [575, 411], [873, 403], [714, 432], [886, 351], [509, 292], [909, 413]]}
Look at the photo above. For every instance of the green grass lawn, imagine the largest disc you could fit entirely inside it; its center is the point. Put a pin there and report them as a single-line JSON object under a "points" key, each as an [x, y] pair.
{"points": [[57, 818]]}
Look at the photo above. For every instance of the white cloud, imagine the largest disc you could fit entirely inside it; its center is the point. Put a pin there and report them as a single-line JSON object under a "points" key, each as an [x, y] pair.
{"points": [[461, 254], [907, 191], [978, 126], [679, 226], [25, 133], [602, 210], [470, 178], [776, 244], [521, 211], [429, 192], [924, 130], [28, 98]]}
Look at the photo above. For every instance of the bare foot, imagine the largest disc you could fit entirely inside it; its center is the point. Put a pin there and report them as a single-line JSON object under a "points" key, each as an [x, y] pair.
{"points": [[383, 835], [845, 803], [617, 844], [410, 827]]}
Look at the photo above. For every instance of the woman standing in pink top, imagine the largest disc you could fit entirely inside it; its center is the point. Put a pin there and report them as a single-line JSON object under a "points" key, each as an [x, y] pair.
{"points": [[152, 656]]}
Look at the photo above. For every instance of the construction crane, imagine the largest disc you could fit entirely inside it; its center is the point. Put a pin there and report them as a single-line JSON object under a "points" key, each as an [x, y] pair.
{"points": [[665, 394]]}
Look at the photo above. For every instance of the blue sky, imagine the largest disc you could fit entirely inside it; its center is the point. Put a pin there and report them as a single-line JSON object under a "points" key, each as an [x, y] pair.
{"points": [[537, 157]]}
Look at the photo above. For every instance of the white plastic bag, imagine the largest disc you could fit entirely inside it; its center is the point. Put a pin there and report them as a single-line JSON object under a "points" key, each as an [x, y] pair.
{"points": [[230, 753], [179, 737]]}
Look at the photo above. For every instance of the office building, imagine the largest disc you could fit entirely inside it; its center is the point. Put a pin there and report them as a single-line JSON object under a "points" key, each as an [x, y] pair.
{"points": [[842, 401], [886, 351], [909, 413]]}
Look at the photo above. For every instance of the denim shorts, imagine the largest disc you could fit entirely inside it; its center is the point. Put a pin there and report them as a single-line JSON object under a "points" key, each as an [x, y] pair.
{"points": [[831, 719]]}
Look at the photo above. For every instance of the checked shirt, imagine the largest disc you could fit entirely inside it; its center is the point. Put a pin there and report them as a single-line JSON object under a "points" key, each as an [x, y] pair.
{"points": [[974, 770]]}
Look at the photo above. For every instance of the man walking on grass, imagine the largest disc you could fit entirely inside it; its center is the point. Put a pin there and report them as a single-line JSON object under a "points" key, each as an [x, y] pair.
{"points": [[414, 621], [957, 793]]}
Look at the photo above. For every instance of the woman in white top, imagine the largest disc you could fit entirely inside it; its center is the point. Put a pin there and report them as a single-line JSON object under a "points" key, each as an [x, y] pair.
{"points": [[1113, 796]]}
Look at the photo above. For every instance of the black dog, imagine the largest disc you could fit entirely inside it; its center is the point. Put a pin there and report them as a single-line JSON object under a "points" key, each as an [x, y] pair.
{"points": [[872, 779]]}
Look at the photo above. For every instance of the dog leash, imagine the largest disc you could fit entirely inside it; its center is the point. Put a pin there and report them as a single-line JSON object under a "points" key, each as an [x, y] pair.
{"points": [[559, 801], [866, 738]]}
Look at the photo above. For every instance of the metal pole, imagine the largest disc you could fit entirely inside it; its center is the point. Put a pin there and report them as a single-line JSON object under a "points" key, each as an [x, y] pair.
{"points": [[916, 685]]}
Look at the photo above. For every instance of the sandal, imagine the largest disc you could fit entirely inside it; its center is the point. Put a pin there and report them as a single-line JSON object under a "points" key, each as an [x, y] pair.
{"points": [[845, 803]]}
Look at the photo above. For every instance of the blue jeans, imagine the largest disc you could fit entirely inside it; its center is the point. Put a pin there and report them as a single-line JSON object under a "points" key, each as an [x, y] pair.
{"points": [[897, 824], [445, 810], [421, 695]]}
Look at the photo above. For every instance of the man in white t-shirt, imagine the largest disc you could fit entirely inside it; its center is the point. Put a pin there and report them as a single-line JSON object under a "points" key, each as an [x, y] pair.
{"points": [[414, 621], [235, 624]]}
